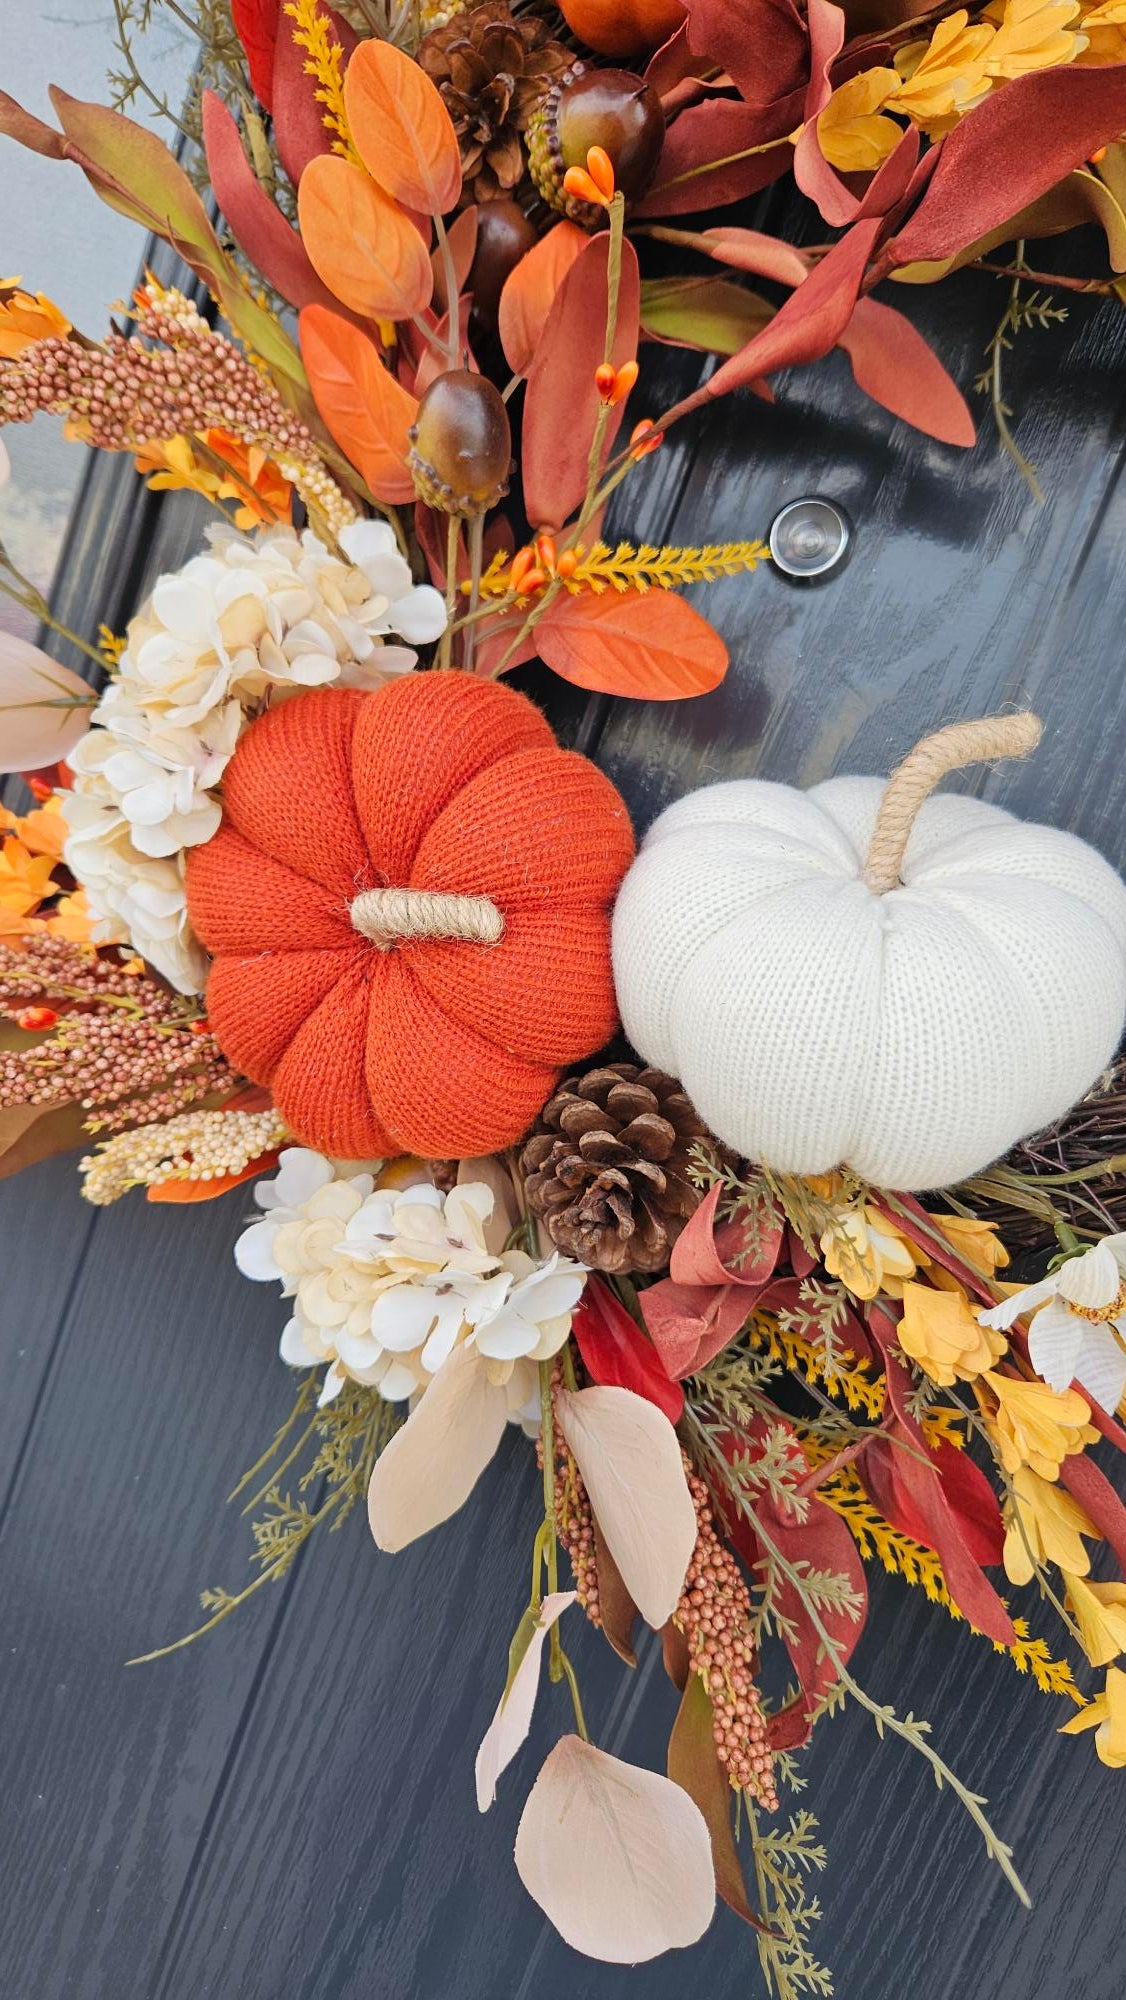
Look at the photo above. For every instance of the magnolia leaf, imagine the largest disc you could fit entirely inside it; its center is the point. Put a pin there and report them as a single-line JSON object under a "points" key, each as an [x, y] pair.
{"points": [[618, 1858], [432, 1464], [647, 644], [33, 1132], [491, 1172], [45, 709], [616, 1608], [706, 313], [366, 410], [562, 404], [726, 134], [1007, 152], [694, 1765], [893, 364], [401, 129], [530, 291], [361, 243], [256, 24], [629, 1458], [1082, 197], [513, 1719], [258, 225]]}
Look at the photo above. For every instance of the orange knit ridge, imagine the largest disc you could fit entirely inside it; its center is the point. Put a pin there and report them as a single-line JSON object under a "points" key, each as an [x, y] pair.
{"points": [[440, 782]]}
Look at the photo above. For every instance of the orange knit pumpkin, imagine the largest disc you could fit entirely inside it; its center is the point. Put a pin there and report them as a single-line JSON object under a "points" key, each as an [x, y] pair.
{"points": [[427, 1044]]}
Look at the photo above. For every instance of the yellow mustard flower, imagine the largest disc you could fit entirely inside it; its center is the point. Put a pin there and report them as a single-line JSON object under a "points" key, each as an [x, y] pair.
{"points": [[867, 1253], [977, 1243], [26, 317], [1043, 1524], [1033, 34], [70, 918], [852, 134], [1038, 1426], [254, 481], [1099, 1611], [1106, 1715], [41, 831], [25, 878], [945, 76], [942, 1333]]}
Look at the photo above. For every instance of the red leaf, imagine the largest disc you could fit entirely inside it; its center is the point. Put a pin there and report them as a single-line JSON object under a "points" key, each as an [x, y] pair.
{"points": [[299, 129], [893, 364], [822, 1541], [365, 409], [686, 182], [691, 1324], [259, 227], [256, 25], [650, 645], [1039, 127], [1088, 1484], [812, 171], [762, 44], [617, 1354], [562, 403], [530, 291], [705, 1253], [747, 250]]}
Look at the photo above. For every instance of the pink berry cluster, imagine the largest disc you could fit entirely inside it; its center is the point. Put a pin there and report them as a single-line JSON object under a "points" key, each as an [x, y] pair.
{"points": [[714, 1615]]}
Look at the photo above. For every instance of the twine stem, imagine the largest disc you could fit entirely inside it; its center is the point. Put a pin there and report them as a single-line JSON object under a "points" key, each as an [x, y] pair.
{"points": [[923, 768], [389, 916]]}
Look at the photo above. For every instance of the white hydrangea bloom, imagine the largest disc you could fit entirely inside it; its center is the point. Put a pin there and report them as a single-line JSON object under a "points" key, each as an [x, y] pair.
{"points": [[387, 1282], [257, 617]]}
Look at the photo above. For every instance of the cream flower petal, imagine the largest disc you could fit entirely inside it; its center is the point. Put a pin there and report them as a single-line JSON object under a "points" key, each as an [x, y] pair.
{"points": [[254, 1252], [1101, 1367], [333, 1383], [442, 1341], [293, 1349], [1055, 1337], [300, 1173], [555, 1289], [397, 1382], [402, 1318], [1090, 1280], [507, 1337], [1007, 1311], [420, 615]]}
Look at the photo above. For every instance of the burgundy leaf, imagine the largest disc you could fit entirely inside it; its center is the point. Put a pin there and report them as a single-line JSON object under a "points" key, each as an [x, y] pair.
{"points": [[893, 364], [259, 227], [256, 25], [299, 128], [812, 171], [617, 1353], [1039, 127], [690, 1324], [1088, 1484], [715, 132], [762, 44], [562, 403]]}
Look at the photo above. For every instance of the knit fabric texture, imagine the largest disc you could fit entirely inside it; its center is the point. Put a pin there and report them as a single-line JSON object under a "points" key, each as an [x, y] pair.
{"points": [[914, 1036], [442, 782]]}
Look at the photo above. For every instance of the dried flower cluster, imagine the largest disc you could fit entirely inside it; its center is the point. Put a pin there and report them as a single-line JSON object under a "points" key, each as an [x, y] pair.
{"points": [[197, 1146], [122, 1047], [714, 1614]]}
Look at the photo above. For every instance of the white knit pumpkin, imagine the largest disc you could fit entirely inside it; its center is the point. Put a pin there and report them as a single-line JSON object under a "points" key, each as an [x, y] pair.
{"points": [[912, 1035]]}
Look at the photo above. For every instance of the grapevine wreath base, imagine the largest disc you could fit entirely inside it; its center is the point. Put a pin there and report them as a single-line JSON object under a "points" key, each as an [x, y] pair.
{"points": [[706, 1166]]}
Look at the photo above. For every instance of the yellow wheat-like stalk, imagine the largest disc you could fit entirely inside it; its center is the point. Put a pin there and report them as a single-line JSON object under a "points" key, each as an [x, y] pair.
{"points": [[326, 66], [854, 1382], [625, 567]]}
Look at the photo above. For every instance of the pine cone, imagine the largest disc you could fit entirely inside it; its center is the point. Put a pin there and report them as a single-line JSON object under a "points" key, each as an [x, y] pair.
{"points": [[492, 69], [606, 1168]]}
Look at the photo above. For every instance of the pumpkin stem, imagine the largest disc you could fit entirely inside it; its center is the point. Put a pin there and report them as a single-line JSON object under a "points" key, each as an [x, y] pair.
{"points": [[388, 916], [923, 768]]}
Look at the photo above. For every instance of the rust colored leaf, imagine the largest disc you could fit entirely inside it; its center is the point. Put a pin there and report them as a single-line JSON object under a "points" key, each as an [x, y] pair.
{"points": [[299, 126], [257, 224], [762, 44], [256, 24], [700, 164], [1081, 198], [694, 1765], [744, 250], [365, 248], [812, 171], [401, 129], [366, 410], [562, 403], [1039, 128], [893, 364], [618, 1611], [177, 1192], [462, 234], [530, 291], [650, 645]]}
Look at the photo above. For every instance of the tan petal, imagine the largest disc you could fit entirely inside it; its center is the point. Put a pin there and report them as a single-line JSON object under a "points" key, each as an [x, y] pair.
{"points": [[431, 1466], [45, 709], [513, 1718], [618, 1858], [629, 1458]]}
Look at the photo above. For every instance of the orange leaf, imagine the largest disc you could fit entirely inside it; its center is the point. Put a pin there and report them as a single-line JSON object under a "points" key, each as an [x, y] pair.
{"points": [[401, 128], [649, 644], [185, 1191], [530, 289], [366, 410], [360, 242]]}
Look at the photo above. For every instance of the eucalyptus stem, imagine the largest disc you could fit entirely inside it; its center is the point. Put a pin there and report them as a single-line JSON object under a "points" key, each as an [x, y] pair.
{"points": [[551, 1543], [449, 275], [453, 532]]}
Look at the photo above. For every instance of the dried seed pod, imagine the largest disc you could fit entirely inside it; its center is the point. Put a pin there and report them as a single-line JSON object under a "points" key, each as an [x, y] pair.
{"points": [[461, 444]]}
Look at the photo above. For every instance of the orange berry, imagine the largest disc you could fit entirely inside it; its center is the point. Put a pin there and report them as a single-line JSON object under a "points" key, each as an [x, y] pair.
{"points": [[545, 550], [1098, 154], [624, 380], [605, 377], [202, 1026], [35, 1019], [641, 440], [600, 167], [567, 564], [534, 580], [577, 183], [38, 789], [522, 562]]}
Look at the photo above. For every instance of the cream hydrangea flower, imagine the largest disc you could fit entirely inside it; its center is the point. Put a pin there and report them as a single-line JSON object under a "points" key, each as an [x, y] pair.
{"points": [[1078, 1332], [387, 1282], [256, 617]]}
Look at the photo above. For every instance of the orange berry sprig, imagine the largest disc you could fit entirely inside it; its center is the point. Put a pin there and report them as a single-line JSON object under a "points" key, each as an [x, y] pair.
{"points": [[595, 181], [614, 384]]}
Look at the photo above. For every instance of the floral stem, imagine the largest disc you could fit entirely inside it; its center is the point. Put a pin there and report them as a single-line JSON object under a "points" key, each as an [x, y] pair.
{"points": [[449, 275], [476, 545], [551, 1545], [453, 532], [728, 160]]}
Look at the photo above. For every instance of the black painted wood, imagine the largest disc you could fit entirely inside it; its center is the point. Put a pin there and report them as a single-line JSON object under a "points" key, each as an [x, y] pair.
{"points": [[286, 1812]]}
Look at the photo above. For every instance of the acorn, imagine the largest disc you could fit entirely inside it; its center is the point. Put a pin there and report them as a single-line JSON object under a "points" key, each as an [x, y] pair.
{"points": [[595, 107], [504, 235], [461, 445]]}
